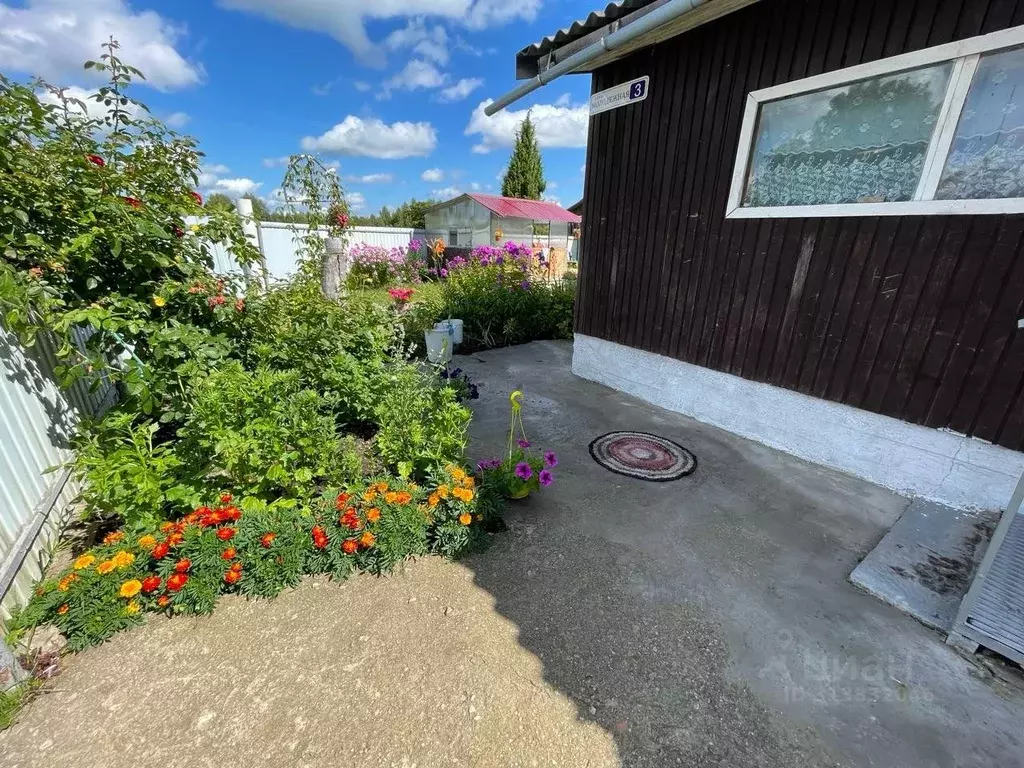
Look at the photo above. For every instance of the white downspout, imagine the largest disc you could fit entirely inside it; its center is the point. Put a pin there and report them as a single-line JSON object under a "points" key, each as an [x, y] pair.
{"points": [[611, 41]]}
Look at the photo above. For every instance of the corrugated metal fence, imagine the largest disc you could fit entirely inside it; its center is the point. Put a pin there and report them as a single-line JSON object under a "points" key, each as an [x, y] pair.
{"points": [[37, 421]]}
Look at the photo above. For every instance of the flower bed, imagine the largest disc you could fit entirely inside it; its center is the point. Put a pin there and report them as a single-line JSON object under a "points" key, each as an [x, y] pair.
{"points": [[253, 548]]}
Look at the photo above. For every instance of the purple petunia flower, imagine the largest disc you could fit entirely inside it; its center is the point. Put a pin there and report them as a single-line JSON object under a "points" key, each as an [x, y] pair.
{"points": [[444, 273], [523, 443], [546, 478], [524, 471], [499, 260], [525, 285], [550, 460]]}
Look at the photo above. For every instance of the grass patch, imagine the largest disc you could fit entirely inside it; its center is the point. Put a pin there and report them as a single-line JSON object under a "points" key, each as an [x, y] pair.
{"points": [[11, 701]]}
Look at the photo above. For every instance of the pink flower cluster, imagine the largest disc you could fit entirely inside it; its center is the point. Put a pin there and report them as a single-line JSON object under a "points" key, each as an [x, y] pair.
{"points": [[377, 265]]}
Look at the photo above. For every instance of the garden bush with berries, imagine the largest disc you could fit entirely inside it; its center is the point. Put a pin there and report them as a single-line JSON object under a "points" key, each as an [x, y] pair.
{"points": [[259, 434]]}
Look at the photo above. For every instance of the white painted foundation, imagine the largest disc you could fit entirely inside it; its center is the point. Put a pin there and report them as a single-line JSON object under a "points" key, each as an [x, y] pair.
{"points": [[917, 461]]}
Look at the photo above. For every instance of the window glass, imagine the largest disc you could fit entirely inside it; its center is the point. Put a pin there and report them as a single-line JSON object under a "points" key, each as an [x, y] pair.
{"points": [[453, 237], [987, 156], [864, 142]]}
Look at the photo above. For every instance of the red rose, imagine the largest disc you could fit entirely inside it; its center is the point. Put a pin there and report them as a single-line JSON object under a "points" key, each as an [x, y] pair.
{"points": [[132, 201], [232, 577], [228, 554], [225, 533], [225, 498], [96, 160], [177, 581], [197, 197], [160, 551], [267, 539], [349, 546], [182, 565], [150, 584]]}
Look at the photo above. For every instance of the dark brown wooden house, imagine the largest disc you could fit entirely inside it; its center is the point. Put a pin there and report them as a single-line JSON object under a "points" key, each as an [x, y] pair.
{"points": [[807, 227]]}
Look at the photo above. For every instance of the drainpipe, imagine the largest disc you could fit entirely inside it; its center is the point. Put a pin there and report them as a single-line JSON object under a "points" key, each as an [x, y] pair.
{"points": [[666, 13]]}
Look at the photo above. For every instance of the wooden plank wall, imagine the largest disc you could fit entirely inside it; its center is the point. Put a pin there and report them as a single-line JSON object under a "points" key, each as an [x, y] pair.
{"points": [[913, 317]]}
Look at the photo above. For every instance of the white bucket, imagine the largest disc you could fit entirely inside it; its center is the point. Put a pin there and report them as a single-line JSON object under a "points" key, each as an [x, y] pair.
{"points": [[439, 346], [452, 327]]}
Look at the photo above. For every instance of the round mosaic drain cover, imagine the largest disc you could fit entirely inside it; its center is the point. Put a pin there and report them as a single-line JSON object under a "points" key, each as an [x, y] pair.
{"points": [[643, 456]]}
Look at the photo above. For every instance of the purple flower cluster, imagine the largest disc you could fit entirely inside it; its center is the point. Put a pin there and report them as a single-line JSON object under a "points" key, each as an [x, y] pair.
{"points": [[377, 265], [486, 464]]}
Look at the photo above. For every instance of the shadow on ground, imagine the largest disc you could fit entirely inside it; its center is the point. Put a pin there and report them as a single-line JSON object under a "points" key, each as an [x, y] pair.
{"points": [[709, 621]]}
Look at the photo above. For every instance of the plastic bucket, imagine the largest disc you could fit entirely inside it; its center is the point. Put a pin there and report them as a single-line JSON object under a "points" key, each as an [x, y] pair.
{"points": [[452, 327], [439, 346]]}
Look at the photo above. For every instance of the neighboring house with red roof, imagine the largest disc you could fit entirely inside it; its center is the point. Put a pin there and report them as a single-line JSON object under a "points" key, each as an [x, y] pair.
{"points": [[476, 219]]}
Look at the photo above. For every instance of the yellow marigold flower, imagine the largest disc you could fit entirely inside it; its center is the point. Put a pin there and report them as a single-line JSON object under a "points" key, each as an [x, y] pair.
{"points": [[105, 567], [84, 561], [132, 607], [370, 495], [458, 473], [469, 482], [122, 559], [391, 497], [465, 518], [147, 541], [433, 499], [159, 301], [442, 491], [381, 487], [131, 588], [462, 494]]}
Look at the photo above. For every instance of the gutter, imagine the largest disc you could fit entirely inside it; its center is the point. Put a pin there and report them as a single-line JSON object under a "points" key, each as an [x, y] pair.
{"points": [[615, 39]]}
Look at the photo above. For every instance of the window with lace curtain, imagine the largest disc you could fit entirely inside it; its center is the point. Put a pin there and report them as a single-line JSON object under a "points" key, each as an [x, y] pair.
{"points": [[935, 131]]}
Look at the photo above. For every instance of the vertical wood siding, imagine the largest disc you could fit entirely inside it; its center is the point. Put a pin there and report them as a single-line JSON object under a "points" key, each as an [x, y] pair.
{"points": [[914, 317]]}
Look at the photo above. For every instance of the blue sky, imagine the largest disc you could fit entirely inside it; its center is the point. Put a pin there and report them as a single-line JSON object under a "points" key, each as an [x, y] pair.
{"points": [[391, 90]]}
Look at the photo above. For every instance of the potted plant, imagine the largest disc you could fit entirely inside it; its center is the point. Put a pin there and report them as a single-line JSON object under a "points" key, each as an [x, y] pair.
{"points": [[522, 471]]}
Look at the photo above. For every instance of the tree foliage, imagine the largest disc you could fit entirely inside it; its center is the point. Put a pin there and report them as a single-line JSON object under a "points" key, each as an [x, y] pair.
{"points": [[524, 177]]}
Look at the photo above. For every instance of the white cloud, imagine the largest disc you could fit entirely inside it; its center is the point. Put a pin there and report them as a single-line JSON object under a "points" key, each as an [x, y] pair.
{"points": [[374, 138], [216, 168], [432, 174], [275, 162], [564, 100], [177, 120], [355, 200], [209, 174], [550, 199], [344, 20], [361, 86], [416, 74], [236, 187], [428, 42], [446, 193], [556, 126], [371, 178], [52, 38], [460, 90], [474, 186]]}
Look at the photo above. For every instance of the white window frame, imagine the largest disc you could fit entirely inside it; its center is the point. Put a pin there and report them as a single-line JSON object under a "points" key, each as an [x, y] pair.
{"points": [[964, 54]]}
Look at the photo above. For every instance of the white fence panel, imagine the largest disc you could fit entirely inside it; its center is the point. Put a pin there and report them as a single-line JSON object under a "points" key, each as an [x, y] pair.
{"points": [[37, 421]]}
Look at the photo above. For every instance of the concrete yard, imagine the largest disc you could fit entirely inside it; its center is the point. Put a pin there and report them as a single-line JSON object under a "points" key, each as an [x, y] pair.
{"points": [[702, 622]]}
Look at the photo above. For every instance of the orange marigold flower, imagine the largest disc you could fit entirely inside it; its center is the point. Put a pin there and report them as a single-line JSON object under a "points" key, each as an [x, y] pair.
{"points": [[372, 515], [469, 482], [105, 567], [236, 566], [122, 559], [84, 561], [367, 539], [381, 487], [63, 609], [391, 497], [113, 538], [228, 554], [350, 519], [167, 527], [320, 539], [403, 497], [163, 600], [147, 542], [176, 581], [182, 565], [160, 550], [65, 584], [349, 546], [225, 498], [458, 473], [370, 495], [433, 499], [442, 491], [341, 501], [465, 518], [132, 608], [462, 494], [232, 577], [130, 588], [174, 539], [225, 533], [151, 584], [267, 539]]}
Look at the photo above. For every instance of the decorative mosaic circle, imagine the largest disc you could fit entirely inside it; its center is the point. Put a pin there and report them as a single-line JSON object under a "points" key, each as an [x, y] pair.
{"points": [[643, 456]]}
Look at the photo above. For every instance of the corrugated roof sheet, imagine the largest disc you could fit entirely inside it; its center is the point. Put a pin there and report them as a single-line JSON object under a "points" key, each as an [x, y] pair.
{"points": [[578, 29], [514, 207]]}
